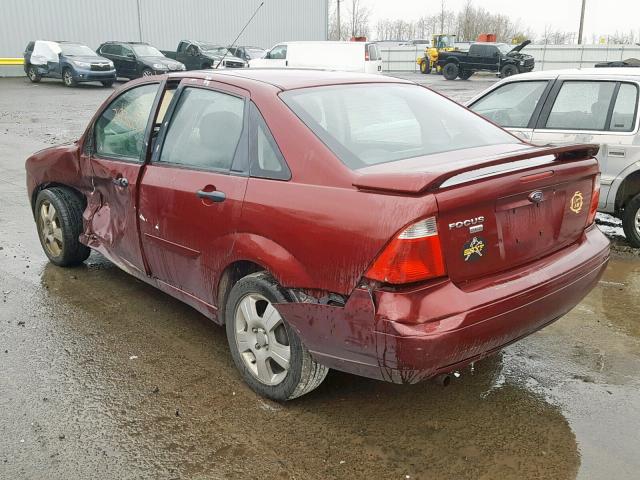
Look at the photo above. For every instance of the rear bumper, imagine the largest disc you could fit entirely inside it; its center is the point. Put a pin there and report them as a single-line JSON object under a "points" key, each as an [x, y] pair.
{"points": [[408, 336]]}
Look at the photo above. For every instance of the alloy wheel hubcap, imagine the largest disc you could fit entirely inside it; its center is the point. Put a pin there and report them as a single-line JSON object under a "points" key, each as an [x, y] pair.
{"points": [[50, 229], [637, 222], [262, 339], [147, 73]]}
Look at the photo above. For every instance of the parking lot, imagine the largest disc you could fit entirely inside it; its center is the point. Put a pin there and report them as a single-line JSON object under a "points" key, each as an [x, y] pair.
{"points": [[104, 376]]}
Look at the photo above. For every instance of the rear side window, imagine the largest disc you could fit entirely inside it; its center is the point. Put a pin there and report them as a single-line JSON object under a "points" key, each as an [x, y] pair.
{"points": [[266, 159], [625, 108], [581, 106], [204, 130], [512, 104], [373, 52], [369, 124], [119, 132]]}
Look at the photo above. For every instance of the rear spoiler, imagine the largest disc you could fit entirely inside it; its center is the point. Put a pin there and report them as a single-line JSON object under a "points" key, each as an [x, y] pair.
{"points": [[424, 181]]}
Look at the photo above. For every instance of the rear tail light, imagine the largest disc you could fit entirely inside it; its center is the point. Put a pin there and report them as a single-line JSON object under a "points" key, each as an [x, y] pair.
{"points": [[366, 54], [595, 199], [415, 254]]}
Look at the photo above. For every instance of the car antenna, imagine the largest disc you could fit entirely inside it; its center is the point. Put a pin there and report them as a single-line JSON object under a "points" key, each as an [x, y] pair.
{"points": [[243, 29]]}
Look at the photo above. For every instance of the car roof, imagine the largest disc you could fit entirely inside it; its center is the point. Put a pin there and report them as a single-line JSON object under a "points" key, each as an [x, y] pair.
{"points": [[613, 72], [290, 78], [128, 43]]}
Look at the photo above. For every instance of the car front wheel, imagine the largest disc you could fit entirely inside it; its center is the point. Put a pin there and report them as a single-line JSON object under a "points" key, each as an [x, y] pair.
{"points": [[465, 74], [267, 352], [147, 72], [67, 78], [58, 215], [508, 70], [631, 221], [450, 71]]}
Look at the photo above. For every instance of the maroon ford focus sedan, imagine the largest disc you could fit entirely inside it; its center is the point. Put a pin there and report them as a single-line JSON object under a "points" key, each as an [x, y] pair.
{"points": [[329, 220]]}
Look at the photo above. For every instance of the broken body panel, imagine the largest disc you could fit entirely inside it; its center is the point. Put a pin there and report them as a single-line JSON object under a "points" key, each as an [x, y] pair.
{"points": [[319, 232]]}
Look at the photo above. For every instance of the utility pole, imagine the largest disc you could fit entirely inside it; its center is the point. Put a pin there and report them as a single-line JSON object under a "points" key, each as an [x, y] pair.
{"points": [[581, 22], [338, 15]]}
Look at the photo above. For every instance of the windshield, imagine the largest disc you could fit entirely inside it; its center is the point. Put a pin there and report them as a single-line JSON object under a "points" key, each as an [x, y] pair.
{"points": [[74, 50], [255, 52], [504, 48], [146, 51], [377, 123]]}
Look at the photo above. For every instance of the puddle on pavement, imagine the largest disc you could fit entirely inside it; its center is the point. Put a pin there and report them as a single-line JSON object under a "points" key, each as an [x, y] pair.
{"points": [[143, 386]]}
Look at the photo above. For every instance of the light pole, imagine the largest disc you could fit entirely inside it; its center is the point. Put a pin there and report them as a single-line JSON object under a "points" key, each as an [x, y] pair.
{"points": [[581, 22], [338, 15]]}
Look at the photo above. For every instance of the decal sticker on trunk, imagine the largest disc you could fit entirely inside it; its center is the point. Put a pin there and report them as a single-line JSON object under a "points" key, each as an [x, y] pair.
{"points": [[473, 249], [576, 202]]}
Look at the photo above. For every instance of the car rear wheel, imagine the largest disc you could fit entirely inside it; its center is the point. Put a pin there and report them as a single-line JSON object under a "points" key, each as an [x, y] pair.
{"points": [[59, 222], [32, 73], [450, 71], [147, 72], [508, 70], [205, 66], [631, 221], [267, 352], [67, 78], [107, 83], [465, 74], [425, 67]]}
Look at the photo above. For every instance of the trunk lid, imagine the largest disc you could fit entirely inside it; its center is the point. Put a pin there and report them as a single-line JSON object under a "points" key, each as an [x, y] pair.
{"points": [[508, 210]]}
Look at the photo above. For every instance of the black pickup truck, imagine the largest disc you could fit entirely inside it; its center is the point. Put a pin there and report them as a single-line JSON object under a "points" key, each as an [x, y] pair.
{"points": [[198, 55], [488, 57]]}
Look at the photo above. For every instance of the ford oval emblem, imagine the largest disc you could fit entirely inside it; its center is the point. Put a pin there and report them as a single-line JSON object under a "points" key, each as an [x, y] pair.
{"points": [[536, 197]]}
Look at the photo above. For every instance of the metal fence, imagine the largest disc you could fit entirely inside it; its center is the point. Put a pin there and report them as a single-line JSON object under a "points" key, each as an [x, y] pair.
{"points": [[548, 57]]}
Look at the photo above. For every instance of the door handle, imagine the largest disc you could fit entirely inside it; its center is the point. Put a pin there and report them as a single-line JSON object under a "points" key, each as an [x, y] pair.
{"points": [[121, 182], [215, 196]]}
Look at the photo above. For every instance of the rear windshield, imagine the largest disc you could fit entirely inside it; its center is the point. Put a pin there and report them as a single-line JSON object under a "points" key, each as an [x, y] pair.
{"points": [[368, 124]]}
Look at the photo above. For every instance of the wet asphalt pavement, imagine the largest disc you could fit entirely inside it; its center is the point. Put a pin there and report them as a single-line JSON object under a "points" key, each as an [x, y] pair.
{"points": [[102, 376]]}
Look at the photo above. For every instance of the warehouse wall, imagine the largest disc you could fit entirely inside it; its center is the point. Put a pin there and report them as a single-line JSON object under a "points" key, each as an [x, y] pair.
{"points": [[162, 23]]}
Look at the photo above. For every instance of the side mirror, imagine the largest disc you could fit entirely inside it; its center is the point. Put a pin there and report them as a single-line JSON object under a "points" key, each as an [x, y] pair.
{"points": [[131, 55], [267, 55]]}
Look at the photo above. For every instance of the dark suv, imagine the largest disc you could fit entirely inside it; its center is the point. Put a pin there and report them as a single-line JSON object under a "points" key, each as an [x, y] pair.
{"points": [[137, 59], [71, 62]]}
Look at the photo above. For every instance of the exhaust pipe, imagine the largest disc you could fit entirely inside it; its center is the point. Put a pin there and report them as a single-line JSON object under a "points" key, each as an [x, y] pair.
{"points": [[444, 379]]}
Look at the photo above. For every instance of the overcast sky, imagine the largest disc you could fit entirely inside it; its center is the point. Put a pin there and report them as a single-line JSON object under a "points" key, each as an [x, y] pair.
{"points": [[602, 16]]}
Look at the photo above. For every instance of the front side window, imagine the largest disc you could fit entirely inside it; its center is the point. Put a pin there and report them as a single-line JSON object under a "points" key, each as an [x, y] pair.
{"points": [[512, 104], [378, 123], [204, 130], [119, 132], [581, 106], [625, 108], [278, 52]]}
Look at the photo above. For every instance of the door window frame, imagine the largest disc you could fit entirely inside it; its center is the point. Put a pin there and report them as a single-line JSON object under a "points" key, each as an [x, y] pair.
{"points": [[240, 163], [553, 95]]}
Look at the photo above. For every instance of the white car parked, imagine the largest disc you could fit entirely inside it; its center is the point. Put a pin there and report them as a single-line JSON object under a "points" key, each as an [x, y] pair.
{"points": [[596, 105], [343, 56]]}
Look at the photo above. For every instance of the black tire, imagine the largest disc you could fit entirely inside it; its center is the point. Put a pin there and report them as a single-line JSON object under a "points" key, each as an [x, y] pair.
{"points": [[206, 66], [450, 71], [147, 72], [425, 67], [107, 83], [67, 78], [631, 221], [509, 70], [68, 208], [304, 373], [32, 74], [465, 74]]}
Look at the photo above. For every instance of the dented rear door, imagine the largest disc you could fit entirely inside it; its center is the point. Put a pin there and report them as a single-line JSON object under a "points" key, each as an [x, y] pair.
{"points": [[192, 193]]}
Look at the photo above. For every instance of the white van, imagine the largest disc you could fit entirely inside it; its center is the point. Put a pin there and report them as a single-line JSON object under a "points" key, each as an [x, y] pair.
{"points": [[344, 56]]}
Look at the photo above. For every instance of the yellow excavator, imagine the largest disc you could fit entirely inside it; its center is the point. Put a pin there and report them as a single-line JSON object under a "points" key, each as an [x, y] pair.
{"points": [[440, 42]]}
